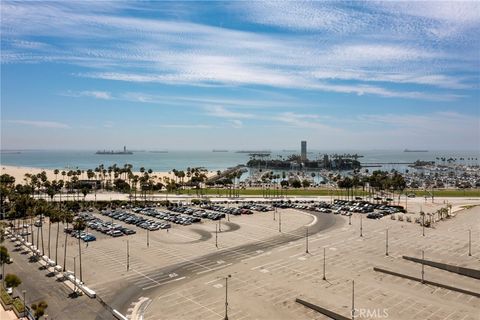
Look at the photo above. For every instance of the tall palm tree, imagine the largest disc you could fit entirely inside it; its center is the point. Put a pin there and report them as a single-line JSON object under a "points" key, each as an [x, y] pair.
{"points": [[55, 217], [67, 218], [79, 225]]}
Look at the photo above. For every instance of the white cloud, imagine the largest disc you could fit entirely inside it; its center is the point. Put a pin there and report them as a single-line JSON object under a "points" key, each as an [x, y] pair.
{"points": [[185, 126], [103, 95], [221, 112], [40, 124], [237, 124], [183, 53], [98, 94]]}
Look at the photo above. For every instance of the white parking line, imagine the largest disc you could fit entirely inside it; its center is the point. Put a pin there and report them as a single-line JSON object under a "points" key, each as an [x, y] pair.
{"points": [[266, 264], [213, 269], [162, 283]]}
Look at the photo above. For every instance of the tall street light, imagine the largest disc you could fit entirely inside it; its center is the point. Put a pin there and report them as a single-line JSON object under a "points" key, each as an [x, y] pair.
{"points": [[306, 239], [324, 277], [24, 292], [226, 296], [128, 256]]}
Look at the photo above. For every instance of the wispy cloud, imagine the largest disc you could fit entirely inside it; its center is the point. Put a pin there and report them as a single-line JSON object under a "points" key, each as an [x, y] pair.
{"points": [[237, 124], [221, 112], [185, 126], [103, 95], [184, 53], [40, 124]]}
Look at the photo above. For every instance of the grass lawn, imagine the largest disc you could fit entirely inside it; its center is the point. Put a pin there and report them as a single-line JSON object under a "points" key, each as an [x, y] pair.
{"points": [[335, 193]]}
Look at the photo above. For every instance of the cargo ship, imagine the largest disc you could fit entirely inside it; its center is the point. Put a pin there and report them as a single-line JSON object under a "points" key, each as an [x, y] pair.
{"points": [[125, 151], [408, 150]]}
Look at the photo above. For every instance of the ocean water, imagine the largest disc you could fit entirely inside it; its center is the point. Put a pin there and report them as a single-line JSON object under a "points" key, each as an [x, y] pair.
{"points": [[210, 160]]}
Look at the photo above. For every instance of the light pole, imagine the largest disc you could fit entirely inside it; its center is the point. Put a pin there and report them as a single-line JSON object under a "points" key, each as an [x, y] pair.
{"points": [[324, 278], [386, 243], [469, 242], [306, 239], [220, 225], [361, 226], [423, 223], [216, 236], [148, 238], [128, 256], [353, 299], [74, 274], [350, 220], [275, 211], [279, 221], [423, 267], [226, 296], [24, 292]]}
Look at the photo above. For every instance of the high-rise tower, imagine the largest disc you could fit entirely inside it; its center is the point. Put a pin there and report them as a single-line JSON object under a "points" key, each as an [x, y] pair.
{"points": [[303, 153]]}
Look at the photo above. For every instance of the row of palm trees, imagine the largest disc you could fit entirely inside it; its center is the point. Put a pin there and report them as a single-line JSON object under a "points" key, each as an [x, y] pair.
{"points": [[29, 212], [378, 182]]}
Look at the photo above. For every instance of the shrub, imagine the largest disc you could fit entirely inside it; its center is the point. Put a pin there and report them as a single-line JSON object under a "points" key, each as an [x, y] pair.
{"points": [[392, 217], [18, 304], [400, 218], [409, 219], [5, 296]]}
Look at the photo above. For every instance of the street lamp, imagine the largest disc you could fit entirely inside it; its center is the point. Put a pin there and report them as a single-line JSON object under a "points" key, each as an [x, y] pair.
{"points": [[353, 299], [324, 278], [386, 243], [361, 226], [226, 296], [148, 238], [128, 256], [306, 238], [280, 221], [469, 242], [24, 292]]}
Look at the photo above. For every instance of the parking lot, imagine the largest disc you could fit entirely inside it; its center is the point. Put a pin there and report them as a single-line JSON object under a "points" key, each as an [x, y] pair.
{"points": [[177, 258], [266, 286]]}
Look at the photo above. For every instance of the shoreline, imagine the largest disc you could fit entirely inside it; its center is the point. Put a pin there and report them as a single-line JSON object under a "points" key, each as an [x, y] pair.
{"points": [[18, 172]]}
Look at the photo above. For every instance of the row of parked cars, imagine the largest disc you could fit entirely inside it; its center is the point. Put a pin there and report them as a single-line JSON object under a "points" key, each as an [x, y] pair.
{"points": [[130, 218], [345, 207], [174, 217], [85, 236], [224, 210], [198, 213], [106, 227]]}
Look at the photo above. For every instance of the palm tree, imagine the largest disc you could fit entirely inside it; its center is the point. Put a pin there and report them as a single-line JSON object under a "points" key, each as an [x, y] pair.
{"points": [[67, 218], [79, 226], [55, 217]]}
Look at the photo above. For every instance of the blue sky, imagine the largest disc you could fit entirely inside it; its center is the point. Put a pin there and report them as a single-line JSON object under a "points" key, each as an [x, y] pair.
{"points": [[246, 74]]}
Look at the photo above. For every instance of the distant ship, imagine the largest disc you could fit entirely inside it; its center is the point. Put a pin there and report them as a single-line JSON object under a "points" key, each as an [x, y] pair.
{"points": [[253, 151], [408, 150], [217, 150], [125, 151]]}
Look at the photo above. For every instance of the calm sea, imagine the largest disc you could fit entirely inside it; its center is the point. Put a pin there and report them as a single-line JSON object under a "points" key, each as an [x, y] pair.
{"points": [[210, 160]]}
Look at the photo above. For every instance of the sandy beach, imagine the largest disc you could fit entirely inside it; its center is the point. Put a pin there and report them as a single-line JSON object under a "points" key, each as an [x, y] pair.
{"points": [[19, 173]]}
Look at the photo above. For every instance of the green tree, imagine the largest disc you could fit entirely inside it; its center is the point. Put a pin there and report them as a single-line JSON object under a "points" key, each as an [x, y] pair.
{"points": [[12, 280], [39, 309]]}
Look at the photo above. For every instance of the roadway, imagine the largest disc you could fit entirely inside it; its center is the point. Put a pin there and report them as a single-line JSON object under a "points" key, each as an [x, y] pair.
{"points": [[155, 282]]}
